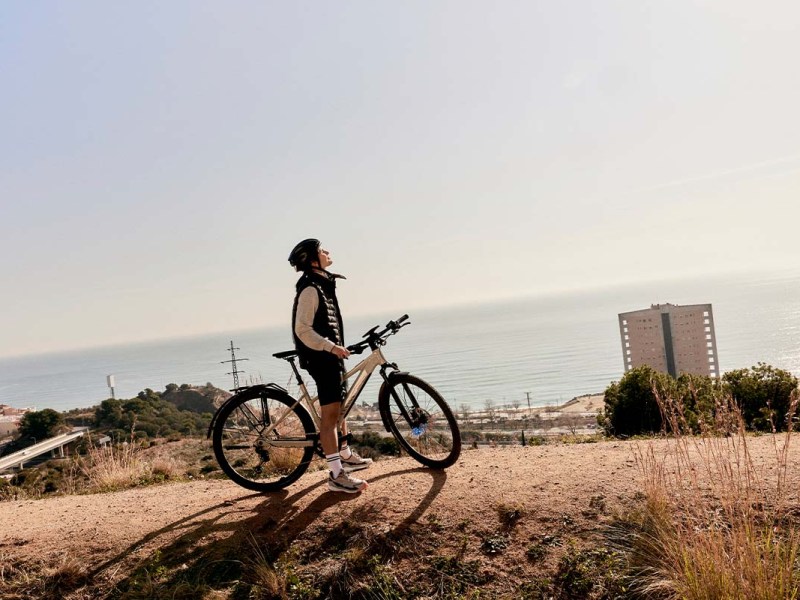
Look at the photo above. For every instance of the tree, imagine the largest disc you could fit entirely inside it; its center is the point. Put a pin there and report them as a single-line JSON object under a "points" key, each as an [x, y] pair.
{"points": [[763, 393], [573, 422], [148, 413], [41, 424], [109, 413], [490, 412]]}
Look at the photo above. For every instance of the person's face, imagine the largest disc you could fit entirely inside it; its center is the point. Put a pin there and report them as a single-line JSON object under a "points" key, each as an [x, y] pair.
{"points": [[325, 259]]}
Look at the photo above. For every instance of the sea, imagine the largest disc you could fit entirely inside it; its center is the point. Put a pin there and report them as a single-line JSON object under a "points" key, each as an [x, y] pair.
{"points": [[546, 349]]}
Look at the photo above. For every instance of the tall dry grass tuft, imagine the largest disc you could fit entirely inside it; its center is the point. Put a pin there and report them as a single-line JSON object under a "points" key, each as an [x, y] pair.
{"points": [[714, 522], [48, 579], [260, 572], [115, 466]]}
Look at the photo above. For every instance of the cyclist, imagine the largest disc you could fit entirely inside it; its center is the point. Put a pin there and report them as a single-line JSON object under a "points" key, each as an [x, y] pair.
{"points": [[319, 340]]}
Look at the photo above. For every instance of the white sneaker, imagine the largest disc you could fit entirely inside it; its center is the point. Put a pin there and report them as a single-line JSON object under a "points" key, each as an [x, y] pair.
{"points": [[355, 462], [345, 483]]}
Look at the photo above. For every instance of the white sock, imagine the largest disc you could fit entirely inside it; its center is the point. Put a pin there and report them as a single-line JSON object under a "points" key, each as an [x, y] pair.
{"points": [[334, 463], [345, 452]]}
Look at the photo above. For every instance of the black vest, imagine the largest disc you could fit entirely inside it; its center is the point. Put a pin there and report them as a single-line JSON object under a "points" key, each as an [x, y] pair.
{"points": [[327, 319]]}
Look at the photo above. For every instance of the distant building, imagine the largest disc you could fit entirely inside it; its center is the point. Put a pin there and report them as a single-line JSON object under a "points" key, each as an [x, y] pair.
{"points": [[670, 338], [10, 418], [8, 425]]}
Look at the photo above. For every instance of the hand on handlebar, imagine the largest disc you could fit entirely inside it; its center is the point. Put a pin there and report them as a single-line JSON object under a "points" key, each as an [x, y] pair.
{"points": [[340, 352], [377, 338], [357, 348]]}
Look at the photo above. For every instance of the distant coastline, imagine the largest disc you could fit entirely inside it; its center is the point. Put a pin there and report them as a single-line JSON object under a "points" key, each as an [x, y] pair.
{"points": [[555, 348]]}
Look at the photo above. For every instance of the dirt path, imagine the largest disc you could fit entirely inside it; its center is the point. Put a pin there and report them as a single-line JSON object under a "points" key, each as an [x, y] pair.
{"points": [[568, 489]]}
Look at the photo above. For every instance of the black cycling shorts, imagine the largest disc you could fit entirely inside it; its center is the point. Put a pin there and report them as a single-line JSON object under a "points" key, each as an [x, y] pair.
{"points": [[330, 387]]}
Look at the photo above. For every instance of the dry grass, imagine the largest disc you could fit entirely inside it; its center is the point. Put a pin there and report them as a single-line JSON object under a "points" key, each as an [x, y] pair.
{"points": [[261, 573], [54, 580], [120, 466], [114, 467], [714, 523], [164, 468]]}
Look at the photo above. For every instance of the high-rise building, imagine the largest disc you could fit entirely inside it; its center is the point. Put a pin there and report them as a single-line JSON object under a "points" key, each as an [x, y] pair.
{"points": [[670, 338]]}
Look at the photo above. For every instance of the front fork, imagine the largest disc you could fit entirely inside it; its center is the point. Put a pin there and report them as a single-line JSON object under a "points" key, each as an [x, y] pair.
{"points": [[414, 415]]}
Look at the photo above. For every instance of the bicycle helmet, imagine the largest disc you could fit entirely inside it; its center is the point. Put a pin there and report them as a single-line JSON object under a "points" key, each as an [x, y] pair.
{"points": [[304, 253]]}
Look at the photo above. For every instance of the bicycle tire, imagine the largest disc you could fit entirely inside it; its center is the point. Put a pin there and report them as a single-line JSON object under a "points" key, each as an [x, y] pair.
{"points": [[247, 457], [431, 435]]}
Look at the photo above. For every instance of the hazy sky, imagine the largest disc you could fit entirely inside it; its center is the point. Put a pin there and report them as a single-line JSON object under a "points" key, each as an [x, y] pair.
{"points": [[158, 160]]}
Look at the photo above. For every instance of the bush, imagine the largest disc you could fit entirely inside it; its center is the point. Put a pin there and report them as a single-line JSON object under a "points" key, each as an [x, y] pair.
{"points": [[375, 444], [630, 405], [761, 392], [763, 395], [471, 435], [594, 573]]}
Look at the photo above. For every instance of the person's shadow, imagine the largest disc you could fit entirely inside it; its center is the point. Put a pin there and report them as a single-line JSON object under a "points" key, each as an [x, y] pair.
{"points": [[214, 547]]}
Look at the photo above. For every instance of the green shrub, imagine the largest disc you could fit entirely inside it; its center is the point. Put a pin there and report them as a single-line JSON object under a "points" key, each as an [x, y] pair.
{"points": [[763, 394], [596, 573], [630, 405], [373, 444]]}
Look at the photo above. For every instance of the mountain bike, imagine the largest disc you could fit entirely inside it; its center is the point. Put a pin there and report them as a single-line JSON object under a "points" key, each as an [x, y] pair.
{"points": [[264, 439]]}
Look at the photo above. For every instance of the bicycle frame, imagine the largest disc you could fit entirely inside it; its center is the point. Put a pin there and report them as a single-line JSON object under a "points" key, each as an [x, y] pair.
{"points": [[362, 372]]}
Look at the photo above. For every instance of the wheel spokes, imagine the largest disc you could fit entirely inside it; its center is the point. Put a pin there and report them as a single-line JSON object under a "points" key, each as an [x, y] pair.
{"points": [[249, 451]]}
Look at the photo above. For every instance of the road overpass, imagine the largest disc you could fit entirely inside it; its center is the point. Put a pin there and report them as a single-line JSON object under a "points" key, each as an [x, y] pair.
{"points": [[53, 444]]}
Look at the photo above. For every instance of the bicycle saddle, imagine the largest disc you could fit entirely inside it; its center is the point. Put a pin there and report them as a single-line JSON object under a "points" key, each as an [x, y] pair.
{"points": [[286, 354]]}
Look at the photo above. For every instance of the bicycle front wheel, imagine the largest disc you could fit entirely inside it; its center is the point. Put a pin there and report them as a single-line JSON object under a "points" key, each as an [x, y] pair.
{"points": [[263, 441], [421, 420]]}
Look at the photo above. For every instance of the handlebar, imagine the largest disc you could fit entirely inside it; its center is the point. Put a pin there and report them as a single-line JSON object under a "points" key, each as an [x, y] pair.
{"points": [[375, 339]]}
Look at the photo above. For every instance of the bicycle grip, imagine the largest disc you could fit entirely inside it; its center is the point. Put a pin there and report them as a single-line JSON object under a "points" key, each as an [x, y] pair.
{"points": [[401, 319]]}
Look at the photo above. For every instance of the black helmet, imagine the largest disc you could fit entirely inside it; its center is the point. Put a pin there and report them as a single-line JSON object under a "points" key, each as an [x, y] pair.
{"points": [[304, 254]]}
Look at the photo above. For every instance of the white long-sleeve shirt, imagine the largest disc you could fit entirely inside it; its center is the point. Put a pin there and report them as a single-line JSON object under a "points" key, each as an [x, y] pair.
{"points": [[307, 305]]}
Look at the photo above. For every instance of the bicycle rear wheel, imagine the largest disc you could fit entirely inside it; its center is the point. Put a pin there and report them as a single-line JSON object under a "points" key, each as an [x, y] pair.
{"points": [[421, 420], [255, 459]]}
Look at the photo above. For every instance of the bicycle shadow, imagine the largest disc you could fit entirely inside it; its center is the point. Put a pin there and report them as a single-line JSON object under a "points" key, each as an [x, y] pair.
{"points": [[214, 550], [294, 523]]}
